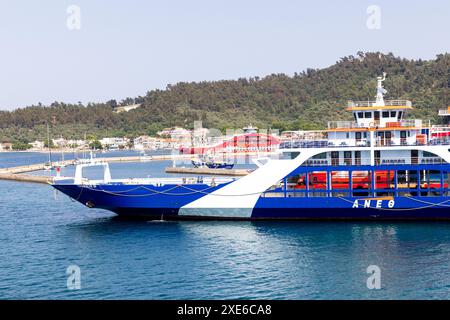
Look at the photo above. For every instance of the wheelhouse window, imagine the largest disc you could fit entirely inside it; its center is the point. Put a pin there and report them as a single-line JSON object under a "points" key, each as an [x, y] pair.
{"points": [[367, 115], [385, 114], [393, 114], [400, 114], [360, 115]]}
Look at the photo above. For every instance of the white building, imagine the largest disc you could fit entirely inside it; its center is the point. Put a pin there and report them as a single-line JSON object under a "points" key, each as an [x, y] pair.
{"points": [[37, 144], [145, 143], [114, 143], [5, 146]]}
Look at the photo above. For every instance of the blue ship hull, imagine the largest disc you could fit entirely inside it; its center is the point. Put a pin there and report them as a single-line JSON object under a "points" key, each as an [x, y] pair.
{"points": [[167, 201]]}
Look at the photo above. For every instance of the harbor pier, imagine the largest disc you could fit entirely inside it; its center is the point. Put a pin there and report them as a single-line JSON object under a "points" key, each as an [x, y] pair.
{"points": [[20, 173]]}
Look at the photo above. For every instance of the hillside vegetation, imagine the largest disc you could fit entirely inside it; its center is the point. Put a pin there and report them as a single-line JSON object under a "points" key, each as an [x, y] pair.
{"points": [[306, 100]]}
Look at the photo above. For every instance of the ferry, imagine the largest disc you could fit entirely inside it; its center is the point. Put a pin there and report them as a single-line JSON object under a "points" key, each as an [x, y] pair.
{"points": [[380, 166]]}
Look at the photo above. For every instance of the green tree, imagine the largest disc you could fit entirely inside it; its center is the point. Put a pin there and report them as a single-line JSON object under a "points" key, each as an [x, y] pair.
{"points": [[52, 145], [95, 145], [21, 146]]}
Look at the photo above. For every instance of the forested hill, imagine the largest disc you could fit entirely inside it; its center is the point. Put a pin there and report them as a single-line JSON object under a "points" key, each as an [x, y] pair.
{"points": [[306, 100]]}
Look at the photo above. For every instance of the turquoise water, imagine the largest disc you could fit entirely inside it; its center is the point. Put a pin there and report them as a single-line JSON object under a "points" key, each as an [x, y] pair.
{"points": [[42, 233]]}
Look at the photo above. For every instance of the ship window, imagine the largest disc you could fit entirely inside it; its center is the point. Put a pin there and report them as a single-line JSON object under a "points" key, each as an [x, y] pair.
{"points": [[367, 115], [348, 158], [428, 154], [356, 118], [385, 114], [358, 157], [403, 134], [400, 114], [393, 114], [360, 115], [322, 155]]}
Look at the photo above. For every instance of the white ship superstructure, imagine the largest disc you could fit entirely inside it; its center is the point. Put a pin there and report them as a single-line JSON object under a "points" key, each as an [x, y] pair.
{"points": [[379, 134]]}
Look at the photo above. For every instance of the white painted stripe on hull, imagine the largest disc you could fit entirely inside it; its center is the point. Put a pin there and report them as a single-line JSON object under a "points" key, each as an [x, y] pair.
{"points": [[238, 198], [217, 212]]}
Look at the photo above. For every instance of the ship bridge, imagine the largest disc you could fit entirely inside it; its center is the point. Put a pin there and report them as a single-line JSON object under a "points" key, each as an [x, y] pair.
{"points": [[371, 114], [379, 134]]}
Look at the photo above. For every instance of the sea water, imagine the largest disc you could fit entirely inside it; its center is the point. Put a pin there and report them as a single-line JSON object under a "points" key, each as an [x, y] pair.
{"points": [[44, 234]]}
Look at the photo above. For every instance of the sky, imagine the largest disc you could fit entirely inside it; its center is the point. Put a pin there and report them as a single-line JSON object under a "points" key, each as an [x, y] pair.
{"points": [[111, 49]]}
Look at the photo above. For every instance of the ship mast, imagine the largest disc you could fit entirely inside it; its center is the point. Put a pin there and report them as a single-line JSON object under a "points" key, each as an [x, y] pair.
{"points": [[380, 91], [49, 147], [378, 103]]}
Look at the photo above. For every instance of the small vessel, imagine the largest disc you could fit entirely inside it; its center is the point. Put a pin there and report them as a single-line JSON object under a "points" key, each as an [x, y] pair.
{"points": [[48, 166], [381, 166], [211, 163]]}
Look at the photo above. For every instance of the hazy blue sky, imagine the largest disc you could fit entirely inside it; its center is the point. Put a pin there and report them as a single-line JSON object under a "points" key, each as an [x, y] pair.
{"points": [[125, 48]]}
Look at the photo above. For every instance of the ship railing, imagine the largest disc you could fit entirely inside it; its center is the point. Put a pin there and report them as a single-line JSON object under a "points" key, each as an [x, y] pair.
{"points": [[296, 144], [440, 128], [167, 181], [413, 190], [378, 161], [388, 103], [333, 125], [444, 112], [344, 125]]}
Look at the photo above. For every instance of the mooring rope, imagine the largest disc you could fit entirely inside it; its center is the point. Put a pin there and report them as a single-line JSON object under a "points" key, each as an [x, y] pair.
{"points": [[156, 192]]}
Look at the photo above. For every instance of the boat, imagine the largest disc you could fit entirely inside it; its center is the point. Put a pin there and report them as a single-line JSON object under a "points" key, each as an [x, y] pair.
{"points": [[211, 164], [380, 166], [144, 157], [48, 166], [220, 165]]}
